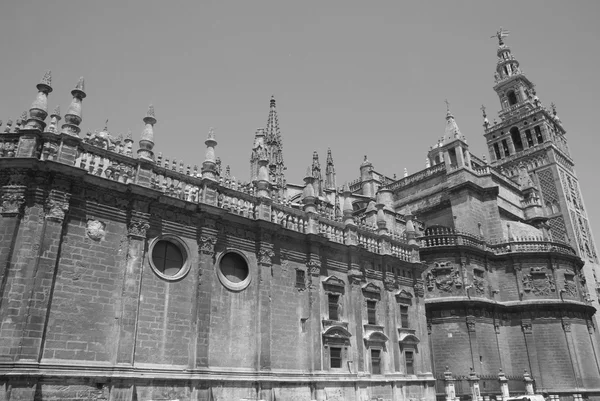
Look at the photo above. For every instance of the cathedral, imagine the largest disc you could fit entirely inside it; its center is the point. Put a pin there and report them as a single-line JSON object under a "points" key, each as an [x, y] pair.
{"points": [[126, 276]]}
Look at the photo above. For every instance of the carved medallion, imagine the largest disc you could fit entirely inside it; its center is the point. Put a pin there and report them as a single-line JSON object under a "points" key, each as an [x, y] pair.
{"points": [[95, 229]]}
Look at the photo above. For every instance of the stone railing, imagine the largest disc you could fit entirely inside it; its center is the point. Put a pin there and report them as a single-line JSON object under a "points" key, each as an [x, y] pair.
{"points": [[438, 169], [442, 237], [104, 157]]}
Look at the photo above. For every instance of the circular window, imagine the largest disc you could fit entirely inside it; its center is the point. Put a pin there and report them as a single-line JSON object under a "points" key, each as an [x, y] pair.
{"points": [[233, 271], [169, 257]]}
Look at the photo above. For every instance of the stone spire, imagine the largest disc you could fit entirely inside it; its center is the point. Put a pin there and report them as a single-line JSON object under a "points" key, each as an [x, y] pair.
{"points": [[507, 65], [39, 108], [257, 149], [73, 115], [146, 143], [316, 174], [54, 119], [452, 130], [274, 147], [347, 207], [330, 172], [209, 166], [486, 122]]}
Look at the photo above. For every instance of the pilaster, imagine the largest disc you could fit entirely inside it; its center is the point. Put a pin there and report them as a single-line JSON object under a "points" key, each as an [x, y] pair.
{"points": [[137, 228], [265, 266], [207, 245], [41, 271], [313, 269]]}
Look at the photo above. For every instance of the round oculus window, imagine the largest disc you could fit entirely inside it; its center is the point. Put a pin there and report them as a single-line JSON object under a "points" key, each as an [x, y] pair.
{"points": [[233, 271], [168, 257]]}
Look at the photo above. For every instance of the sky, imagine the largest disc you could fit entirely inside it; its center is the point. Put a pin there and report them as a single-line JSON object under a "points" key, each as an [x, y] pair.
{"points": [[361, 78]]}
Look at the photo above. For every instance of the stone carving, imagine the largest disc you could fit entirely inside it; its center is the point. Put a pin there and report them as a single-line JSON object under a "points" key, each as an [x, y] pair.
{"points": [[590, 326], [479, 285], [430, 280], [314, 267], [471, 325], [429, 327], [57, 205], [566, 326], [526, 327], [95, 229], [446, 277], [419, 289], [137, 228], [538, 282], [389, 283], [570, 288], [265, 256], [355, 276], [207, 244], [12, 200]]}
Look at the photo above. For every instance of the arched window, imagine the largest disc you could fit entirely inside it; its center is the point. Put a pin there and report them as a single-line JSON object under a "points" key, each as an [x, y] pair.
{"points": [[516, 138], [512, 98]]}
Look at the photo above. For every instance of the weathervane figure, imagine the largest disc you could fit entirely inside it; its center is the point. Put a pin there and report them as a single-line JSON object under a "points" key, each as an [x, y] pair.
{"points": [[500, 35]]}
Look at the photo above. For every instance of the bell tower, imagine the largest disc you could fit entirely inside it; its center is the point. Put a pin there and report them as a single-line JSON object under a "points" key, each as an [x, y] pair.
{"points": [[532, 136]]}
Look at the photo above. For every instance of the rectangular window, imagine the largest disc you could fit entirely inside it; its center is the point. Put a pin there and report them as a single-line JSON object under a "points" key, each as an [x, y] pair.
{"points": [[497, 151], [404, 316], [335, 358], [529, 138], [375, 361], [410, 362], [372, 312], [538, 134], [300, 279], [333, 301]]}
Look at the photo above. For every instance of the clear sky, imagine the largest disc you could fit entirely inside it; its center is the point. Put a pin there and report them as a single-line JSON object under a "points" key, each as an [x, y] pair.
{"points": [[361, 77]]}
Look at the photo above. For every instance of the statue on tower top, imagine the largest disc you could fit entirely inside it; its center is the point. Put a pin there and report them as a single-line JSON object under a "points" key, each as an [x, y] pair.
{"points": [[501, 34]]}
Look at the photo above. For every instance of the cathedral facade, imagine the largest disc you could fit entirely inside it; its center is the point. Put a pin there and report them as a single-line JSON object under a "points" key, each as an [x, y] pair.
{"points": [[126, 276]]}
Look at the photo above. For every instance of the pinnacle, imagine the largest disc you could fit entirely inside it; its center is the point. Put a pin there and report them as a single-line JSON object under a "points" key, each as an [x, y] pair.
{"points": [[211, 134], [56, 111], [150, 112], [80, 84], [47, 78]]}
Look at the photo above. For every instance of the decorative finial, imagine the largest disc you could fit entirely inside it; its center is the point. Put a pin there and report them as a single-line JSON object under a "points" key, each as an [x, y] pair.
{"points": [[80, 84], [24, 116], [47, 78], [73, 115], [447, 105], [501, 34], [365, 158], [106, 125], [211, 134], [56, 112], [483, 110], [150, 112], [272, 102]]}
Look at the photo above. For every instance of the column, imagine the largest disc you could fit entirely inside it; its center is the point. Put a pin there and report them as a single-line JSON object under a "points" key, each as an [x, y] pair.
{"points": [[313, 270], [136, 235]]}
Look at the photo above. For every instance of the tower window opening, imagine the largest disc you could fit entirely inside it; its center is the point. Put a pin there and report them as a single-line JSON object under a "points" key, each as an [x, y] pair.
{"points": [[538, 134], [516, 138], [505, 148], [497, 151], [512, 98], [372, 312], [506, 70], [452, 154], [529, 138]]}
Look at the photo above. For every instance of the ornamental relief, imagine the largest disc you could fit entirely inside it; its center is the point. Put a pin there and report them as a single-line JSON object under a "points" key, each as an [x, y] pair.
{"points": [[538, 282], [444, 277], [479, 285]]}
